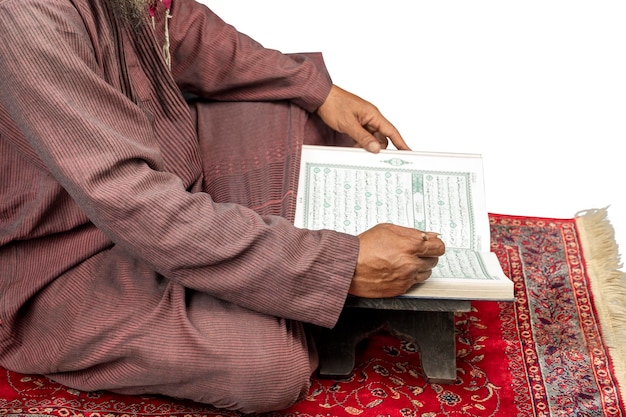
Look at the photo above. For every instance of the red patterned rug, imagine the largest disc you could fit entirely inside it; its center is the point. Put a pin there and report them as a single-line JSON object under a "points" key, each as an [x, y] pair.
{"points": [[556, 351]]}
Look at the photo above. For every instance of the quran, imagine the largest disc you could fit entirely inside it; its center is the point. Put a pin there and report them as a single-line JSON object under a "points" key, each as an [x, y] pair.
{"points": [[351, 190]]}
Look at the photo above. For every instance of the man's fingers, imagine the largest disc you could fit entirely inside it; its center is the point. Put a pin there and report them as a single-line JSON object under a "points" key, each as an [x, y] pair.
{"points": [[383, 135], [422, 276], [366, 139]]}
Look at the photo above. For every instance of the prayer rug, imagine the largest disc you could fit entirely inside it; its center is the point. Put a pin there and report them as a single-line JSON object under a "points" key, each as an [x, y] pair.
{"points": [[557, 350]]}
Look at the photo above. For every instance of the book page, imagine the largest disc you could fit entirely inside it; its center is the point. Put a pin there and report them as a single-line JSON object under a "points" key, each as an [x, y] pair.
{"points": [[351, 190]]}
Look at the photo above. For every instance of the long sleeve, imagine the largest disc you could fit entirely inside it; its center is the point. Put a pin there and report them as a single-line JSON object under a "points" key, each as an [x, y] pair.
{"points": [[129, 165], [212, 59]]}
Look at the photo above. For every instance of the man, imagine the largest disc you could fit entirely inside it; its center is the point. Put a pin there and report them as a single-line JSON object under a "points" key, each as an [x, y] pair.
{"points": [[146, 245]]}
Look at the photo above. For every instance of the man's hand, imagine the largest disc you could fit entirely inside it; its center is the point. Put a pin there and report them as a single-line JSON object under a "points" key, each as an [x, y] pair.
{"points": [[392, 259], [359, 119]]}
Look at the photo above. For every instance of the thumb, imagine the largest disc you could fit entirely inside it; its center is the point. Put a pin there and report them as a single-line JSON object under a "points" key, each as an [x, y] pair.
{"points": [[365, 139]]}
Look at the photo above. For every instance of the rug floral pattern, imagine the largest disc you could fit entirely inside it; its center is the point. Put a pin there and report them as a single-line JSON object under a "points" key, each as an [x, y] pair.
{"points": [[542, 355]]}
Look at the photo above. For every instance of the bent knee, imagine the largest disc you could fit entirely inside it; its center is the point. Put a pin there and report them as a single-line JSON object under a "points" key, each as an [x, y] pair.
{"points": [[265, 389]]}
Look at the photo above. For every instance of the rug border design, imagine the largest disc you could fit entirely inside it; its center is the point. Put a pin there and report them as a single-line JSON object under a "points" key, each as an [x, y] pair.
{"points": [[607, 282], [608, 285]]}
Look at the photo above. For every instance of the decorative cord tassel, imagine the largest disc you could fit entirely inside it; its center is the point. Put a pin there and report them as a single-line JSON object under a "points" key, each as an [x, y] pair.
{"points": [[151, 12], [166, 46]]}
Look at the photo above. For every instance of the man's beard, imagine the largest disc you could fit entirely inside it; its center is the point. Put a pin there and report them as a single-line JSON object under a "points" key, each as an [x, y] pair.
{"points": [[131, 12]]}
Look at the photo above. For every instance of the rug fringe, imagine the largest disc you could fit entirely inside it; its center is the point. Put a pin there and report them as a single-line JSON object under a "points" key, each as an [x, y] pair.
{"points": [[608, 284]]}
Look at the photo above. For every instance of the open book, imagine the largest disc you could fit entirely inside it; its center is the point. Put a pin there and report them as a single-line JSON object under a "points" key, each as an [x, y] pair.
{"points": [[351, 190]]}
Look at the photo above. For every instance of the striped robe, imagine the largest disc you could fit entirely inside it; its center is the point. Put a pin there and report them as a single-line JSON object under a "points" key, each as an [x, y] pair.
{"points": [[145, 244]]}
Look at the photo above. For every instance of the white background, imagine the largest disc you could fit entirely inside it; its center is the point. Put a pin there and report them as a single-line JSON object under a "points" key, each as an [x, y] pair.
{"points": [[538, 87]]}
